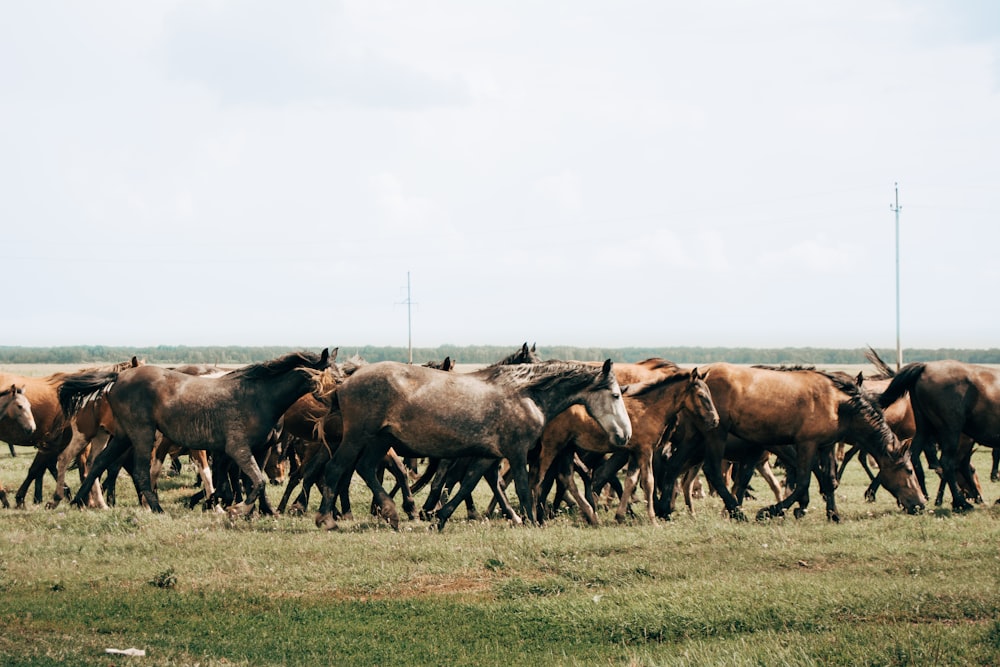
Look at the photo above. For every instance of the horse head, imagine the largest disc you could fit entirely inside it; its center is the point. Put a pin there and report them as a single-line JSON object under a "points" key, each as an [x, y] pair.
{"points": [[606, 406], [699, 400], [17, 407], [896, 473]]}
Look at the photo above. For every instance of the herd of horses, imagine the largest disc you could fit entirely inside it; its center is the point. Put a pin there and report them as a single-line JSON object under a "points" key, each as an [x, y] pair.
{"points": [[540, 424]]}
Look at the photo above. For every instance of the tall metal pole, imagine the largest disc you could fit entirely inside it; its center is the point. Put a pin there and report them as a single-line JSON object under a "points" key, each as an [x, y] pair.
{"points": [[409, 302], [899, 349]]}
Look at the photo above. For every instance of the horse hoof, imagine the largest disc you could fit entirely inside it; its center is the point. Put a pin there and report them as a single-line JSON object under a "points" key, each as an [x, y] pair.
{"points": [[833, 516], [325, 522], [798, 513], [769, 513], [738, 514], [962, 507], [51, 505]]}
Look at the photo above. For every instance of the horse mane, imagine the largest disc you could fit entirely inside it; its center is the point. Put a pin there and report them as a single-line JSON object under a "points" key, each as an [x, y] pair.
{"points": [[641, 388], [540, 377], [861, 402], [658, 363], [784, 367], [278, 366]]}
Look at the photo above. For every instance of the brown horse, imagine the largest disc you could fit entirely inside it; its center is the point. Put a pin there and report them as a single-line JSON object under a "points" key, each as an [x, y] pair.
{"points": [[497, 412], [950, 399], [233, 413], [15, 408], [804, 407], [53, 430], [652, 406]]}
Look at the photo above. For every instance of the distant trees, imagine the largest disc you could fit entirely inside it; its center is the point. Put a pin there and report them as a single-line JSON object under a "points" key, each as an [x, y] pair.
{"points": [[481, 354]]}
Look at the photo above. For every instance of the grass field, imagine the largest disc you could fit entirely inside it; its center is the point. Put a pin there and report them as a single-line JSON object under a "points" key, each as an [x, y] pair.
{"points": [[189, 587], [195, 588]]}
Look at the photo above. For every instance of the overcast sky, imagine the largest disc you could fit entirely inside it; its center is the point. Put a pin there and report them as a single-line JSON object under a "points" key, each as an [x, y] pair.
{"points": [[568, 173]]}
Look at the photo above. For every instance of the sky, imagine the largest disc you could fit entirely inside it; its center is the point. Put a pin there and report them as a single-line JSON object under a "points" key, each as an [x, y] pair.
{"points": [[598, 174]]}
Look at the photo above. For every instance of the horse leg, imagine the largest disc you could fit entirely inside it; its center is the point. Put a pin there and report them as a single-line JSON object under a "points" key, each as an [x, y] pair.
{"points": [[846, 459], [402, 476], [631, 481], [473, 473], [715, 448], [367, 468], [437, 482], [73, 449], [826, 475], [35, 471], [492, 477], [806, 455], [242, 455], [565, 475], [995, 469], [116, 446], [341, 463]]}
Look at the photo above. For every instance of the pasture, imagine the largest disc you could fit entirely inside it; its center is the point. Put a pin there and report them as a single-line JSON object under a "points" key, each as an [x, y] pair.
{"points": [[190, 587]]}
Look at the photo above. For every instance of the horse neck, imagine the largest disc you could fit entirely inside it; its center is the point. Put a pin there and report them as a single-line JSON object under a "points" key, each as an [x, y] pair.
{"points": [[278, 393], [875, 438]]}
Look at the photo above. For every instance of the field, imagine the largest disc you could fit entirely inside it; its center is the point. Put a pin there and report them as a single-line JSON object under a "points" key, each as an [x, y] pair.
{"points": [[189, 587]]}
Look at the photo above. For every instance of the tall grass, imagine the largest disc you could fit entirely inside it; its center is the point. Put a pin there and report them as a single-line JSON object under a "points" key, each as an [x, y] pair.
{"points": [[188, 587]]}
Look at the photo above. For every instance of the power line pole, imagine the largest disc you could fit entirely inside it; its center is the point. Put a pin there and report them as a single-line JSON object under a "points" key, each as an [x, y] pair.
{"points": [[899, 350], [409, 319]]}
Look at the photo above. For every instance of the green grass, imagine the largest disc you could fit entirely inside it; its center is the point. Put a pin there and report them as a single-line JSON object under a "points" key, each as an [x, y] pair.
{"points": [[881, 588]]}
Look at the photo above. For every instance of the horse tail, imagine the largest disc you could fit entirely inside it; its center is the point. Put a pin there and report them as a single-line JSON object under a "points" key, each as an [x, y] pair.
{"points": [[77, 390], [901, 383], [883, 368]]}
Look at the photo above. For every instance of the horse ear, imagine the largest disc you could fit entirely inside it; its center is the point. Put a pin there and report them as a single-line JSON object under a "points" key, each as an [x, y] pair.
{"points": [[607, 367], [135, 361], [329, 357], [447, 364], [860, 379], [625, 389]]}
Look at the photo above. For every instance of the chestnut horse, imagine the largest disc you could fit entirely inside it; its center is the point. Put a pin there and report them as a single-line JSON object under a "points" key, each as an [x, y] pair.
{"points": [[15, 408], [233, 413], [810, 409], [497, 412], [950, 399]]}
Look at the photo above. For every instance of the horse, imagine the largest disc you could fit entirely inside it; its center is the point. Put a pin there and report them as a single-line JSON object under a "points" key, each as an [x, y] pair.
{"points": [[950, 399], [811, 409], [16, 408], [651, 407], [497, 412], [53, 430], [233, 413]]}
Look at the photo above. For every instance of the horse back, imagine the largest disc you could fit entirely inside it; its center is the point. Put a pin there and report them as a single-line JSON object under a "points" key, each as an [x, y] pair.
{"points": [[774, 406], [956, 396]]}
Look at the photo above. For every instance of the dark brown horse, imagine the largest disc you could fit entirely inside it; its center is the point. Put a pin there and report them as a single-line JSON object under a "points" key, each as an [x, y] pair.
{"points": [[233, 413], [950, 399], [804, 407], [497, 412]]}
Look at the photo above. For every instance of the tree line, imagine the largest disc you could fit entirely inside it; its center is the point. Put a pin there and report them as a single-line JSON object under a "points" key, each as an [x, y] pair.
{"points": [[481, 354]]}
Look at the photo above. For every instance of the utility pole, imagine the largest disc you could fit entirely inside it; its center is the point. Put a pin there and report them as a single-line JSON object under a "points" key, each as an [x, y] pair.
{"points": [[409, 319], [899, 350]]}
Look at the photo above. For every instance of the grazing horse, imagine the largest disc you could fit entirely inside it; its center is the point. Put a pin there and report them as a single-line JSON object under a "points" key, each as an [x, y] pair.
{"points": [[804, 407], [233, 413], [497, 412], [950, 399], [652, 406], [16, 408]]}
